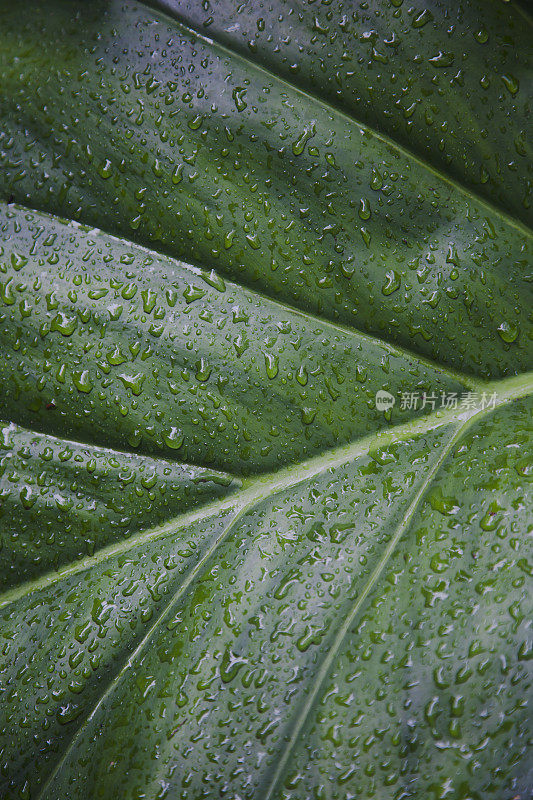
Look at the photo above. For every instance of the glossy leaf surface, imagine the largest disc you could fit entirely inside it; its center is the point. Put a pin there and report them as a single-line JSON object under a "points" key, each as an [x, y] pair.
{"points": [[119, 117], [226, 571]]}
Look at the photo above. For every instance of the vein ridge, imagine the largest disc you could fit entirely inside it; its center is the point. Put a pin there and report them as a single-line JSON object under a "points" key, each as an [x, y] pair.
{"points": [[327, 662], [129, 661], [165, 8], [256, 488]]}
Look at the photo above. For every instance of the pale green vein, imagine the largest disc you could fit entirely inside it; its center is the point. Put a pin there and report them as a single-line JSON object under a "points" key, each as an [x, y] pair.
{"points": [[165, 8], [128, 664], [247, 500], [458, 430], [396, 350], [524, 13], [347, 330], [393, 349], [258, 488]]}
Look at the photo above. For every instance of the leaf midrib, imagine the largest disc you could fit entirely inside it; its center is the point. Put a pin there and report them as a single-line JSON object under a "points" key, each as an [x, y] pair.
{"points": [[509, 389], [258, 488], [164, 9]]}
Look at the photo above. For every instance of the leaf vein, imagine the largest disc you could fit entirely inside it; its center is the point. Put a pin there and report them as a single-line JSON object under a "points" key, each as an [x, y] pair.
{"points": [[257, 488], [344, 629], [165, 7], [129, 661]]}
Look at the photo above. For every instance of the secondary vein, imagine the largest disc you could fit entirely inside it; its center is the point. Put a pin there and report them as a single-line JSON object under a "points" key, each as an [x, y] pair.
{"points": [[263, 486], [166, 8], [130, 660], [457, 432], [325, 667]]}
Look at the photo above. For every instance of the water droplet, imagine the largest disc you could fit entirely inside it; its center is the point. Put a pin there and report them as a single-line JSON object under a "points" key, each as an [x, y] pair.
{"points": [[174, 439], [271, 364], [105, 169], [508, 331], [511, 83], [392, 284], [82, 381]]}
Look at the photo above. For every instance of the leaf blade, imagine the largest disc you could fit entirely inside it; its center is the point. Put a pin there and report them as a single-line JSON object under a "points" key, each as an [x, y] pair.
{"points": [[303, 623], [386, 41], [115, 734], [381, 233]]}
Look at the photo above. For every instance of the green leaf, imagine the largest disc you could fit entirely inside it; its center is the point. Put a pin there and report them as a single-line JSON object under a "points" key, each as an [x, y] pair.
{"points": [[423, 75], [124, 119], [226, 569]]}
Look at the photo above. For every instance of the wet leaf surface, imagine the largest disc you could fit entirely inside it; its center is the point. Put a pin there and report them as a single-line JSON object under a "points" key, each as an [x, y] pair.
{"points": [[226, 570]]}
